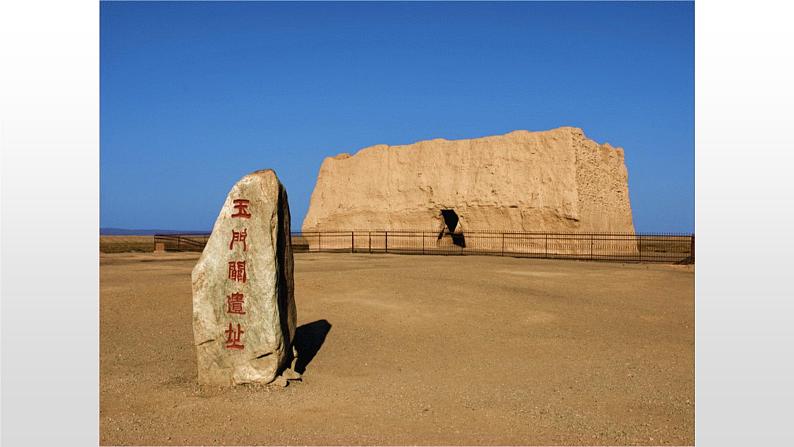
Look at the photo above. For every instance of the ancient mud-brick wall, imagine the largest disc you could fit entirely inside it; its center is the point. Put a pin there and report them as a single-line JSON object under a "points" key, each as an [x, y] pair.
{"points": [[550, 181]]}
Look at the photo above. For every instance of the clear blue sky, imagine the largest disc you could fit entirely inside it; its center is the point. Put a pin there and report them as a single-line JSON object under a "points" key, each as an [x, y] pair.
{"points": [[196, 95]]}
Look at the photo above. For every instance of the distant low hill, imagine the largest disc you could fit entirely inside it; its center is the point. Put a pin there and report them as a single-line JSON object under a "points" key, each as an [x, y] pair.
{"points": [[128, 232]]}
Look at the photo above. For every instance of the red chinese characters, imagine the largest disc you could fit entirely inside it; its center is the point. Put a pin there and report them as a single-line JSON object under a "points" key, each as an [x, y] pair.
{"points": [[239, 236], [237, 271], [234, 304], [233, 337], [241, 207]]}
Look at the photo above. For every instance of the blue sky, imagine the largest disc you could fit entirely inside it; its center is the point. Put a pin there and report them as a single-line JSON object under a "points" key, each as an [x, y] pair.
{"points": [[196, 95]]}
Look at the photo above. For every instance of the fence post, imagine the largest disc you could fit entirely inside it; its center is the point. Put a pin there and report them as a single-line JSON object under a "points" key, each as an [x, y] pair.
{"points": [[422, 235], [639, 244], [178, 243], [319, 242], [369, 237], [352, 243], [591, 246], [692, 249], [386, 242], [503, 243], [547, 246]]}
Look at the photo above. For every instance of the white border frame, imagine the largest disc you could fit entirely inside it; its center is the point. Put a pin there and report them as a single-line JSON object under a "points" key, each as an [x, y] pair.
{"points": [[49, 222], [49, 136]]}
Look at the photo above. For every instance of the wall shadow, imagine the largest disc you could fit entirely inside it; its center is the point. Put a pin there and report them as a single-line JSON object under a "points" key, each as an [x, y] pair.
{"points": [[451, 219], [309, 338], [459, 239]]}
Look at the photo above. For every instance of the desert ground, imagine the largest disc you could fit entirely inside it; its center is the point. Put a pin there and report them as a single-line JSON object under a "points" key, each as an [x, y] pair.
{"points": [[399, 349], [122, 244]]}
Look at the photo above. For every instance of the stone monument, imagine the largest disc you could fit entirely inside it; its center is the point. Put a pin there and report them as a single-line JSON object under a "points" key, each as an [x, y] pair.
{"points": [[243, 305]]}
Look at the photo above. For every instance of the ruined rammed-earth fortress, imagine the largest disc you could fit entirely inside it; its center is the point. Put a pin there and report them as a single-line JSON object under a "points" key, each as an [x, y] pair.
{"points": [[550, 181]]}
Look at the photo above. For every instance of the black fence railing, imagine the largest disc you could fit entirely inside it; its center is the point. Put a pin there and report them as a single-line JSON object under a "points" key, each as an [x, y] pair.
{"points": [[181, 242], [646, 247]]}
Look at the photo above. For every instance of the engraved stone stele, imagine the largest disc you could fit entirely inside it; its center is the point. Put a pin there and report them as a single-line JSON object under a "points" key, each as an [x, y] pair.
{"points": [[243, 305]]}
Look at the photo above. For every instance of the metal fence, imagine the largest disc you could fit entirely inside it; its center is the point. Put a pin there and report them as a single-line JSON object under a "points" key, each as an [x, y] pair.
{"points": [[182, 242], [647, 247]]}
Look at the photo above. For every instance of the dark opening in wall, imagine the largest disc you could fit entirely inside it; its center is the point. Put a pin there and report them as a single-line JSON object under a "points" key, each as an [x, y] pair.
{"points": [[451, 220]]}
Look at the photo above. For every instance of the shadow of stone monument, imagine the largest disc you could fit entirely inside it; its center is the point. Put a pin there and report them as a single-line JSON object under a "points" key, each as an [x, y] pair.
{"points": [[308, 340]]}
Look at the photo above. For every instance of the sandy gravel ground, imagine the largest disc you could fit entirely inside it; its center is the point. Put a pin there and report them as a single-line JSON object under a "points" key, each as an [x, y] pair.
{"points": [[415, 350], [121, 244]]}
